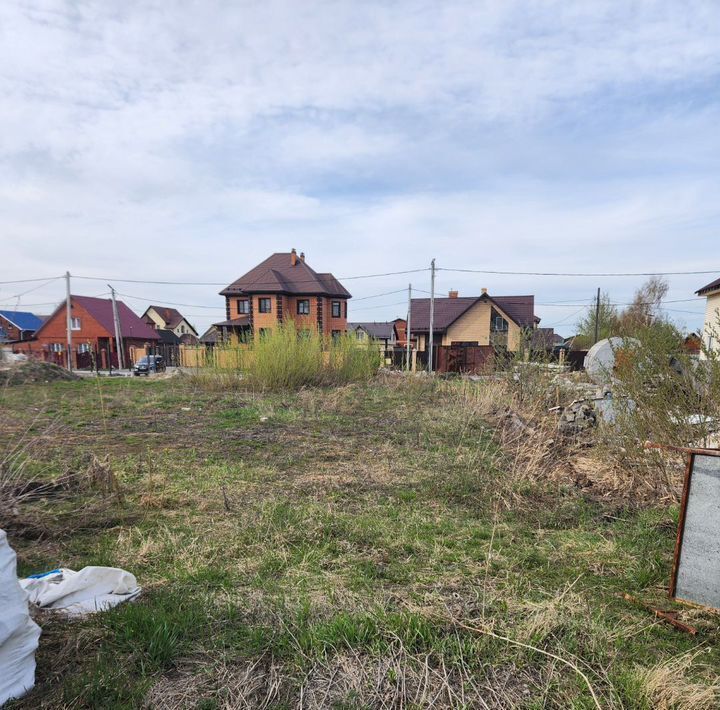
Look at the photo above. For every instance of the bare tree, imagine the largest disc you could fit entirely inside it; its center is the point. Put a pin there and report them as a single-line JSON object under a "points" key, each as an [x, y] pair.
{"points": [[646, 307]]}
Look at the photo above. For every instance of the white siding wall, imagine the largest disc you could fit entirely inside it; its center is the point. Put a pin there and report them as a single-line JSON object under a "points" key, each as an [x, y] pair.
{"points": [[711, 336]]}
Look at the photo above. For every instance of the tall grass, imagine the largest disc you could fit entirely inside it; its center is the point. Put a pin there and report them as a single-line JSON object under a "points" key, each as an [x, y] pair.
{"points": [[287, 359]]}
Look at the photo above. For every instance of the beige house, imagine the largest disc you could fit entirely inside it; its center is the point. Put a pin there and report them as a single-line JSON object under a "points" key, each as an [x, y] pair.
{"points": [[711, 330], [164, 318], [476, 320]]}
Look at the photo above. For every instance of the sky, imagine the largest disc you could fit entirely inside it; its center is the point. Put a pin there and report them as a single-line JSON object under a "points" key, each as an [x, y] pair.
{"points": [[186, 141]]}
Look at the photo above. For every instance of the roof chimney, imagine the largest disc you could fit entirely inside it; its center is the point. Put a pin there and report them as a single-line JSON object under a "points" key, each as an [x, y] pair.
{"points": [[484, 291], [302, 256], [452, 294], [293, 257]]}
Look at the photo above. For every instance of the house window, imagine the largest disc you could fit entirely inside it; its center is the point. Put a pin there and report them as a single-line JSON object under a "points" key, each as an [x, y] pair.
{"points": [[345, 308], [74, 323], [56, 347], [360, 334], [243, 306], [336, 334], [500, 323], [83, 348], [336, 309], [264, 332], [303, 307], [265, 305]]}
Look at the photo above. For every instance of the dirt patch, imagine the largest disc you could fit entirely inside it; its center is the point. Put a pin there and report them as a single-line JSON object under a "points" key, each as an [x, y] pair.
{"points": [[32, 371]]}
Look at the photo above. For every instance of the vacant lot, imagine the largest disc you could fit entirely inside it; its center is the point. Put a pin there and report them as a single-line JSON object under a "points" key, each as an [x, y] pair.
{"points": [[347, 547]]}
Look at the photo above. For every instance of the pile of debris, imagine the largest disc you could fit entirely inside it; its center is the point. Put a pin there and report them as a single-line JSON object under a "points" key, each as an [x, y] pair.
{"points": [[31, 371], [577, 417]]}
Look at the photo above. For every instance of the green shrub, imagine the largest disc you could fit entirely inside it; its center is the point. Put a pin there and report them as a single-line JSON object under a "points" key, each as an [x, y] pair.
{"points": [[662, 394]]}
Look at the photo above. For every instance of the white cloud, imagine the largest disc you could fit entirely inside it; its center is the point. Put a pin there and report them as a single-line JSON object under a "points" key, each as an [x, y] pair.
{"points": [[175, 140]]}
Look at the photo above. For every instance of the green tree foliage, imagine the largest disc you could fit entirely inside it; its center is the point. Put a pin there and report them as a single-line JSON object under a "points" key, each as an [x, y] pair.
{"points": [[607, 318], [644, 312]]}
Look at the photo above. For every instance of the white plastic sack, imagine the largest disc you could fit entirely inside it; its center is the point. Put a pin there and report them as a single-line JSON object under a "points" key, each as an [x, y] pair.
{"points": [[78, 593], [19, 634]]}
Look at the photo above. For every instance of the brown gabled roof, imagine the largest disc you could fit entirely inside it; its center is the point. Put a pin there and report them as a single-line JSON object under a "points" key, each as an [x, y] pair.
{"points": [[210, 336], [448, 310], [171, 316], [520, 308], [712, 286], [278, 275], [380, 331]]}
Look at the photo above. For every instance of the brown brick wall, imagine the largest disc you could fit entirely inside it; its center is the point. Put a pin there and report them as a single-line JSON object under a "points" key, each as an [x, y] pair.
{"points": [[54, 331], [287, 306], [335, 323], [11, 331]]}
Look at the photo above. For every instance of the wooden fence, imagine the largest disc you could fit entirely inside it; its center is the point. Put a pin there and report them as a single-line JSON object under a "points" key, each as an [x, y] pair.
{"points": [[222, 358]]}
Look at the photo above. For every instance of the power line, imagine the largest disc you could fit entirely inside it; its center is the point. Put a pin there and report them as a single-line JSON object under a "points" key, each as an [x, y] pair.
{"points": [[384, 305], [572, 315], [220, 308], [588, 274], [29, 305], [377, 295], [224, 283], [34, 288], [170, 303], [26, 281]]}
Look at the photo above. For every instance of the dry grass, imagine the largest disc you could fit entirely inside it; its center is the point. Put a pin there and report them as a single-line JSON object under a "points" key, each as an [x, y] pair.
{"points": [[397, 544], [666, 686], [227, 686], [398, 679]]}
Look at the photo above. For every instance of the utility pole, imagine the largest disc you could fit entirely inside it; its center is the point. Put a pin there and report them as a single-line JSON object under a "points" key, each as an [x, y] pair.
{"points": [[432, 315], [597, 316], [408, 348], [68, 322], [118, 334]]}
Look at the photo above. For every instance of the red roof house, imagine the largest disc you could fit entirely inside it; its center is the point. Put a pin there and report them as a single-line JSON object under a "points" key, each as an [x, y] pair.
{"points": [[93, 333]]}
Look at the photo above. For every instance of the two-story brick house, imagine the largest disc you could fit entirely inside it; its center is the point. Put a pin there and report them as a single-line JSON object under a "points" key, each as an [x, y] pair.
{"points": [[280, 289]]}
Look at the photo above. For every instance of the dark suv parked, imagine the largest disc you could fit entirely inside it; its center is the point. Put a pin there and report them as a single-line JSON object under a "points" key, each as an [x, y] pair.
{"points": [[148, 364]]}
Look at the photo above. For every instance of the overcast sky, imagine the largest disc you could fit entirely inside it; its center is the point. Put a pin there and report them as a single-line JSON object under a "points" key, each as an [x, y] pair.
{"points": [[188, 141]]}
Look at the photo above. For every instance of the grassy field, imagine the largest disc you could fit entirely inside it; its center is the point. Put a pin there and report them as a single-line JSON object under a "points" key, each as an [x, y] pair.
{"points": [[362, 546]]}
